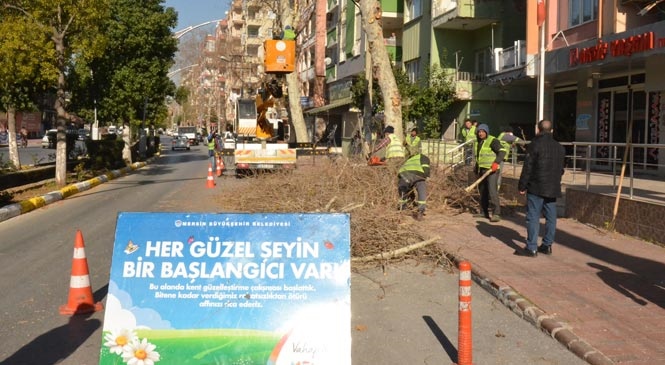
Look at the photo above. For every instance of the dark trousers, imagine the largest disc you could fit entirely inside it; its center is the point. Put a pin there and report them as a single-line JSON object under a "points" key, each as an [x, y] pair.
{"points": [[489, 193], [407, 195]]}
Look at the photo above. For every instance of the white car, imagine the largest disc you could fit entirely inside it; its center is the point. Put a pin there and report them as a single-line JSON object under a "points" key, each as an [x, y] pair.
{"points": [[49, 139]]}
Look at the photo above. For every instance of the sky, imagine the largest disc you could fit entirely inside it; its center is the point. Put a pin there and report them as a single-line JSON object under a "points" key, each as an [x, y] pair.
{"points": [[194, 12]]}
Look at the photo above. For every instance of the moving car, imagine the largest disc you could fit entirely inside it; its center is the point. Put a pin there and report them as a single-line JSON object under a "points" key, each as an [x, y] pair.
{"points": [[49, 139], [180, 142]]}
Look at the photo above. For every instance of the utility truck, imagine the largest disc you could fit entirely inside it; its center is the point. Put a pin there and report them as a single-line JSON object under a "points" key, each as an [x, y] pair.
{"points": [[190, 132], [255, 145]]}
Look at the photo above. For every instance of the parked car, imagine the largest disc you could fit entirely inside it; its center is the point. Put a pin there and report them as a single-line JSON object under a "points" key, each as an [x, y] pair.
{"points": [[49, 139], [83, 134], [180, 142]]}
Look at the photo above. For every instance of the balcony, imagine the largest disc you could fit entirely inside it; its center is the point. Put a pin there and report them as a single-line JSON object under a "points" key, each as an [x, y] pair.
{"points": [[511, 57], [464, 14], [237, 19]]}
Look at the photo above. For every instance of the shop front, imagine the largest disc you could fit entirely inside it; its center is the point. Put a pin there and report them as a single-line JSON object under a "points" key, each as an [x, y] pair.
{"points": [[612, 91]]}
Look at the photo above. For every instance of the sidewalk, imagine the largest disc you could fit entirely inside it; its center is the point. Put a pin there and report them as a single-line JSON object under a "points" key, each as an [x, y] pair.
{"points": [[601, 294]]}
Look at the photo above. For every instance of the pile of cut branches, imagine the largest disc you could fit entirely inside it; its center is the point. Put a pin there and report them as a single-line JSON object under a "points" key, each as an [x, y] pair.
{"points": [[379, 231]]}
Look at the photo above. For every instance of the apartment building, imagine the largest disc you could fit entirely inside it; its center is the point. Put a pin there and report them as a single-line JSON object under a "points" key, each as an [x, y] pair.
{"points": [[482, 45], [332, 53]]}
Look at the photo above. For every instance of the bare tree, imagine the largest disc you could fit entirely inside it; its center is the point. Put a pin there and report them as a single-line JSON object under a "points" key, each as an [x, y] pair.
{"points": [[371, 14], [292, 17]]}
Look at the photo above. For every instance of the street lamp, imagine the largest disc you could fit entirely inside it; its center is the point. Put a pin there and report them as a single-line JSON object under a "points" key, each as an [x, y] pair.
{"points": [[174, 72], [184, 31]]}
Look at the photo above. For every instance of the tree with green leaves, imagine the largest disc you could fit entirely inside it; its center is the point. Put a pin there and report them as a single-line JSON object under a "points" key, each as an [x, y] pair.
{"points": [[423, 101], [130, 79], [23, 71], [427, 103], [73, 27]]}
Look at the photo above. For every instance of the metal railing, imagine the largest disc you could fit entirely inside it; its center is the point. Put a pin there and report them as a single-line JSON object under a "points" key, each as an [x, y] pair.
{"points": [[599, 161], [608, 158]]}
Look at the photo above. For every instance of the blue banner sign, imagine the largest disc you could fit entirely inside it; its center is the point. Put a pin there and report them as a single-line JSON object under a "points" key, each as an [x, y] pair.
{"points": [[264, 289]]}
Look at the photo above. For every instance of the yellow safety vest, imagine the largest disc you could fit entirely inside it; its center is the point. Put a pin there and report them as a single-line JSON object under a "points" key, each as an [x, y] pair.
{"points": [[394, 149], [413, 144], [469, 134], [485, 157]]}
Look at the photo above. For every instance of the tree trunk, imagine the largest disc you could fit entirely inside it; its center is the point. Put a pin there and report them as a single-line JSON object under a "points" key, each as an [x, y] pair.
{"points": [[61, 139], [13, 145], [370, 12], [292, 83], [126, 138], [297, 118]]}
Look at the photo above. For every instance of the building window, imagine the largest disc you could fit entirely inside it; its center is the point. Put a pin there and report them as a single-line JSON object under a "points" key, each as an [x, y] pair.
{"points": [[413, 10], [253, 50], [582, 11], [413, 70], [253, 32]]}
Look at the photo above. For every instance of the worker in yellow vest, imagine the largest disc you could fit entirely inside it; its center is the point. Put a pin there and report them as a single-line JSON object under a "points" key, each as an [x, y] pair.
{"points": [[413, 143], [489, 154], [412, 185], [212, 147], [468, 135], [393, 145], [508, 141]]}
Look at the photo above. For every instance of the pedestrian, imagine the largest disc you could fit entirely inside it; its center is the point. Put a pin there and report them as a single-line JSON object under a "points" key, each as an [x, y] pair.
{"points": [[212, 148], [468, 137], [413, 143], [24, 137], [508, 141], [540, 180], [394, 150], [489, 154], [411, 184]]}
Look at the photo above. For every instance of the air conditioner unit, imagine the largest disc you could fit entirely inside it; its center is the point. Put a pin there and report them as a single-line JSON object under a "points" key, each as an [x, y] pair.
{"points": [[356, 49], [498, 59]]}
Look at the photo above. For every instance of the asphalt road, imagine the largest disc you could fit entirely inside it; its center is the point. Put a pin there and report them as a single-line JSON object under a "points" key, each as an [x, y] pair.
{"points": [[32, 155], [406, 314]]}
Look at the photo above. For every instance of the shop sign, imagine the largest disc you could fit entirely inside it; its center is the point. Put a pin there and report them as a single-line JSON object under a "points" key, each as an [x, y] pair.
{"points": [[616, 48]]}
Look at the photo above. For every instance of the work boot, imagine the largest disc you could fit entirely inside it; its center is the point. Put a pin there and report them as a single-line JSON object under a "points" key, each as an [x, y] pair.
{"points": [[419, 215], [495, 218]]}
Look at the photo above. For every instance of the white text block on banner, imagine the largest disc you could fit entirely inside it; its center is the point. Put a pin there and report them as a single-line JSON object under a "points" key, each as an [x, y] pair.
{"points": [[205, 288]]}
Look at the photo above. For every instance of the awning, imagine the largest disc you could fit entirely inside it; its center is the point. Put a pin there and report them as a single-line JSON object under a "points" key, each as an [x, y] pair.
{"points": [[334, 104]]}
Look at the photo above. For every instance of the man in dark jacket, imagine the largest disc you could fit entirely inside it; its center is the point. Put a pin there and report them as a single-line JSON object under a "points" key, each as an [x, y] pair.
{"points": [[411, 177], [541, 182]]}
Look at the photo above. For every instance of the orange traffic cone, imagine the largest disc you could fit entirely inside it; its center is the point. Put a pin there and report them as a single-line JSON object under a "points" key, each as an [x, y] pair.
{"points": [[211, 180], [220, 166], [80, 293]]}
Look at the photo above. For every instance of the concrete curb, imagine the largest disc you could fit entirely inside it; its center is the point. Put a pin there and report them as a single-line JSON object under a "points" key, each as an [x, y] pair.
{"points": [[533, 314], [25, 206]]}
